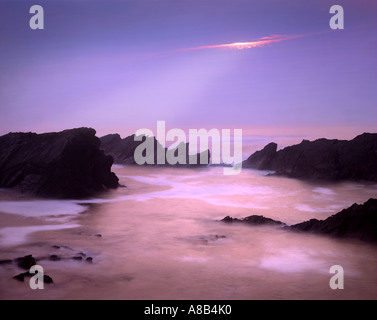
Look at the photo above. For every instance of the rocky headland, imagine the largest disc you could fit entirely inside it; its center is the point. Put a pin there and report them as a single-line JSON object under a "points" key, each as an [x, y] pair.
{"points": [[67, 164], [356, 222], [321, 159]]}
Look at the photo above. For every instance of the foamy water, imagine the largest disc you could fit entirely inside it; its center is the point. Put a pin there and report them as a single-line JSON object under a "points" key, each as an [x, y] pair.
{"points": [[162, 239]]}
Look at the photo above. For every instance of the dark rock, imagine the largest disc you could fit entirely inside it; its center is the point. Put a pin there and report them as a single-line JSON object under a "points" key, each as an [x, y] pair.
{"points": [[123, 150], [54, 257], [321, 159], [261, 159], [67, 164], [5, 262], [56, 247], [211, 237], [254, 220], [47, 279], [206, 239], [77, 258], [89, 259], [26, 262], [21, 277], [356, 222], [99, 235], [229, 219]]}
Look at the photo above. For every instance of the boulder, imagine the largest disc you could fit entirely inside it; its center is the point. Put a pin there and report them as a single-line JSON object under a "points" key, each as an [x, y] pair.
{"points": [[21, 277], [67, 164], [26, 262]]}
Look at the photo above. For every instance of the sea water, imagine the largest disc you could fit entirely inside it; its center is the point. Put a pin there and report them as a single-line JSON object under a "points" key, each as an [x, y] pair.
{"points": [[161, 237]]}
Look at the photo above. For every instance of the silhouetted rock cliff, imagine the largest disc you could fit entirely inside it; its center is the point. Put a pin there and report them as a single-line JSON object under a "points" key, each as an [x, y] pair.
{"points": [[123, 152], [67, 164], [321, 159], [357, 221], [261, 159]]}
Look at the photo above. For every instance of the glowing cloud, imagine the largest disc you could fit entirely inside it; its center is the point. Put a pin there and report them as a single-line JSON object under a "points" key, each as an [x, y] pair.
{"points": [[261, 42]]}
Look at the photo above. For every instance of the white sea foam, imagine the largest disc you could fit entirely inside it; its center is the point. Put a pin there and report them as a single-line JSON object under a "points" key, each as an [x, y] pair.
{"points": [[325, 191], [293, 261], [193, 259], [41, 208], [12, 236], [182, 187]]}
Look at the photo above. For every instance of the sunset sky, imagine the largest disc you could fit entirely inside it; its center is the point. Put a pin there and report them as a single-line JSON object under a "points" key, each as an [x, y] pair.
{"points": [[122, 65]]}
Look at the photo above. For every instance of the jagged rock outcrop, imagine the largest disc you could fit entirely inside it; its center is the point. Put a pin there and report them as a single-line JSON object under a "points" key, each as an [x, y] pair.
{"points": [[254, 220], [123, 151], [261, 159], [355, 222], [321, 159], [67, 164]]}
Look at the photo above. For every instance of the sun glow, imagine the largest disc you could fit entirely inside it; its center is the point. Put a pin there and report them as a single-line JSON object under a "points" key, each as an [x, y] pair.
{"points": [[246, 45]]}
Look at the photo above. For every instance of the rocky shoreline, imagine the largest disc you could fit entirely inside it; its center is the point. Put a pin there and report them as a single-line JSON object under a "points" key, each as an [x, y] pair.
{"points": [[28, 261], [322, 159], [356, 222], [67, 164], [76, 164]]}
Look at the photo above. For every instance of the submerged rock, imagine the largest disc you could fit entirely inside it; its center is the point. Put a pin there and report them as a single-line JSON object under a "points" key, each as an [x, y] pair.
{"points": [[54, 257], [254, 220], [47, 279], [207, 239], [26, 262], [21, 277], [77, 258], [321, 159], [67, 164]]}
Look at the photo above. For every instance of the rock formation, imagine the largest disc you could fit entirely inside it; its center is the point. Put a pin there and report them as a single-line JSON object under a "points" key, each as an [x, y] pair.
{"points": [[123, 151], [254, 220], [357, 222], [67, 164], [321, 159]]}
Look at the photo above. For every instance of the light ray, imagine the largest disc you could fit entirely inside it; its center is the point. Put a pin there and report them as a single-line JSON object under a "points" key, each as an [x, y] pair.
{"points": [[261, 42]]}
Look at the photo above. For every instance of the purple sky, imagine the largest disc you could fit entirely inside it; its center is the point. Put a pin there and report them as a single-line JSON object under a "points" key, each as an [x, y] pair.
{"points": [[118, 65]]}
